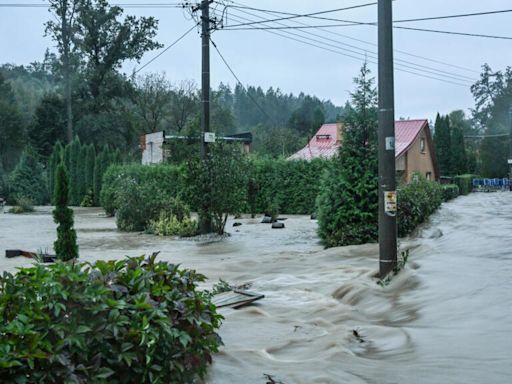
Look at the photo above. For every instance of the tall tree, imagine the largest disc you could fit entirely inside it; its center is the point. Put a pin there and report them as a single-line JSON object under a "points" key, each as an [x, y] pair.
{"points": [[442, 144], [152, 101], [106, 38], [347, 207], [12, 127], [62, 30], [49, 125], [56, 158], [493, 98]]}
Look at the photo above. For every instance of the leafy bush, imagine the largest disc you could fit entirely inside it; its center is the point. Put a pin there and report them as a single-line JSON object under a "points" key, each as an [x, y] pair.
{"points": [[138, 205], [465, 183], [169, 180], [27, 180], [170, 225], [217, 186], [174, 220], [450, 191], [416, 202], [127, 321], [23, 205]]}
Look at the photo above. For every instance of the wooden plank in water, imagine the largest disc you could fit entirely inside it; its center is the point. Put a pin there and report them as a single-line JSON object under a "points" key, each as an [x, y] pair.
{"points": [[236, 299]]}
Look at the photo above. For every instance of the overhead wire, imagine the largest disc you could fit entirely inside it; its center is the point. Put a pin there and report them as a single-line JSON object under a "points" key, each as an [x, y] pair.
{"points": [[166, 49], [240, 82], [349, 23], [404, 63], [238, 4], [457, 79]]}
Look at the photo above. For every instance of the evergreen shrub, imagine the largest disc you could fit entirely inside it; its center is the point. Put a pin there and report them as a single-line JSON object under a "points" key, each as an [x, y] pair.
{"points": [[27, 180], [23, 205], [450, 191], [128, 321]]}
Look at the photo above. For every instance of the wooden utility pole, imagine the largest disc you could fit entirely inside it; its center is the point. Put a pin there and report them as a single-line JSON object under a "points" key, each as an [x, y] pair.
{"points": [[387, 182], [205, 224]]}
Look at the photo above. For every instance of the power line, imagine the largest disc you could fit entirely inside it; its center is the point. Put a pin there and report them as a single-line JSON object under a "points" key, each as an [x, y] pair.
{"points": [[367, 42], [454, 16], [294, 16], [349, 23], [364, 56], [241, 84], [455, 33], [124, 5], [166, 49]]}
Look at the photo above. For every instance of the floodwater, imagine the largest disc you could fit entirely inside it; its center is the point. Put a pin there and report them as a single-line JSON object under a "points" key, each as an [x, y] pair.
{"points": [[447, 318]]}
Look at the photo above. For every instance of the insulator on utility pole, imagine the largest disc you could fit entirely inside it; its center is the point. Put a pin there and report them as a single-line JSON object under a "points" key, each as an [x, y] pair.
{"points": [[387, 181]]}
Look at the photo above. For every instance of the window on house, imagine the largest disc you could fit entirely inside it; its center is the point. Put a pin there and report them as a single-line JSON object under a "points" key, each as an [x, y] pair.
{"points": [[422, 145], [429, 176]]}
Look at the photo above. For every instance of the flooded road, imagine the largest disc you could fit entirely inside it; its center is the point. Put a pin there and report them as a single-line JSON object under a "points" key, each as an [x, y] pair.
{"points": [[447, 318]]}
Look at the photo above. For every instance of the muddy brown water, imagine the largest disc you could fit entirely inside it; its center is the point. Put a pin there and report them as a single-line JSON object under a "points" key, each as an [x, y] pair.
{"points": [[446, 319]]}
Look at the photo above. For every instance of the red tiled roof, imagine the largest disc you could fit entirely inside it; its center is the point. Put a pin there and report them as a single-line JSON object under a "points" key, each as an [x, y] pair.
{"points": [[406, 132], [324, 144]]}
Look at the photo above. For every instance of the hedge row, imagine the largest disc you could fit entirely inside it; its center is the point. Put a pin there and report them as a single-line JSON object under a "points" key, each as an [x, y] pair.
{"points": [[450, 191], [291, 186], [465, 183]]}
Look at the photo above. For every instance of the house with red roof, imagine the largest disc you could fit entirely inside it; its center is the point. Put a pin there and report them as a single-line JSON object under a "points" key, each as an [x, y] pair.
{"points": [[414, 148]]}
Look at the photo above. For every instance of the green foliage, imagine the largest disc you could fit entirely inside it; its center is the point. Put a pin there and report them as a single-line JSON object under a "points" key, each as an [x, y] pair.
{"points": [[55, 159], [168, 179], [49, 125], [308, 117], [12, 127], [126, 321], [443, 145], [292, 186], [65, 246], [493, 97], [416, 202], [23, 205], [75, 162], [27, 180], [347, 205], [465, 183], [169, 225], [450, 191], [88, 200], [217, 186]]}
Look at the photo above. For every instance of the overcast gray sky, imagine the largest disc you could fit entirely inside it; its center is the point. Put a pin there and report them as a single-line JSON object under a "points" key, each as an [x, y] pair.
{"points": [[261, 58]]}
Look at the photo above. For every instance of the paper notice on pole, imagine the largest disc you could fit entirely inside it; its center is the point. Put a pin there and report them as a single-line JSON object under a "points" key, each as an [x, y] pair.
{"points": [[209, 137], [390, 203], [390, 143]]}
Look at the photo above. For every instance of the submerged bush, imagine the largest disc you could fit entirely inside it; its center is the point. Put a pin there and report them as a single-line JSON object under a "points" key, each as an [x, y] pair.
{"points": [[416, 202], [23, 205], [450, 191], [127, 321], [174, 220], [465, 183]]}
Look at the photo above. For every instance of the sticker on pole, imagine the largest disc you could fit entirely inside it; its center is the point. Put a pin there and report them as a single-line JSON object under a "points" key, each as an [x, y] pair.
{"points": [[209, 137], [390, 203], [390, 143]]}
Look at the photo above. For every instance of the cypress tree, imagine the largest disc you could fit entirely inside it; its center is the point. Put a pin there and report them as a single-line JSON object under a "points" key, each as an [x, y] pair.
{"points": [[459, 159], [89, 169], [74, 184], [65, 246], [27, 179], [443, 146], [99, 167], [348, 204], [82, 172], [55, 159]]}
